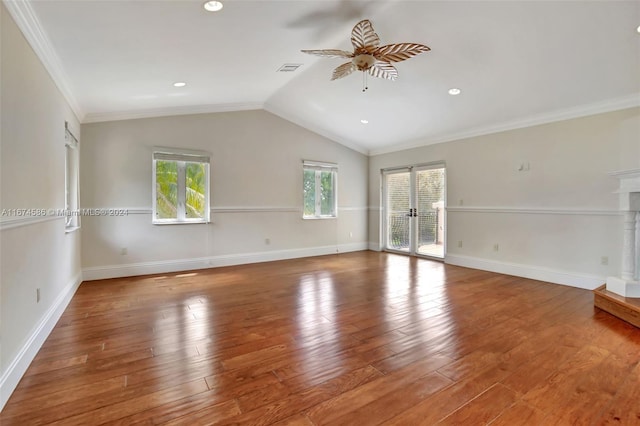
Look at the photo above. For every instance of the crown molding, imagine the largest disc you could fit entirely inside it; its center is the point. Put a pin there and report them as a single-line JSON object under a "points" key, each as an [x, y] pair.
{"points": [[170, 111], [610, 105], [28, 22]]}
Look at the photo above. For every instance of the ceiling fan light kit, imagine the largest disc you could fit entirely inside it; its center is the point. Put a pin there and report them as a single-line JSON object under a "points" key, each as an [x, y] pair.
{"points": [[368, 56]]}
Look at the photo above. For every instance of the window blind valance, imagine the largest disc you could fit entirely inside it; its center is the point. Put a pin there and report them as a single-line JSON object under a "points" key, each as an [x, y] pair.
{"points": [[191, 157], [318, 165]]}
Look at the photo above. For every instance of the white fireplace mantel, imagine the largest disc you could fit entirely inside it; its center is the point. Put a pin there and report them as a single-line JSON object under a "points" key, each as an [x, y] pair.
{"points": [[628, 284]]}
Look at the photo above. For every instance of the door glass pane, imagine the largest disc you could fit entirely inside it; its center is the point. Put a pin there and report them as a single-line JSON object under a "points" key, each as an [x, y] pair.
{"points": [[166, 189], [398, 200], [430, 204], [196, 177]]}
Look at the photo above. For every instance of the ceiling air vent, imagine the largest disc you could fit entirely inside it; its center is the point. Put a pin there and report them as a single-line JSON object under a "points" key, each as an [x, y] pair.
{"points": [[289, 67]]}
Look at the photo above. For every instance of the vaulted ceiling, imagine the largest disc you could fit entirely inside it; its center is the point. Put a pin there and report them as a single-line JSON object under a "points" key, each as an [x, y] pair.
{"points": [[517, 63]]}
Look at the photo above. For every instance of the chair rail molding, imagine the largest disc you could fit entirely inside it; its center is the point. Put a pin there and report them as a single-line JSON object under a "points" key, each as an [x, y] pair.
{"points": [[628, 283]]}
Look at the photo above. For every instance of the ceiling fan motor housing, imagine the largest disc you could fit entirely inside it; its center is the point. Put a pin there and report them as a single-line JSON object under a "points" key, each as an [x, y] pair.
{"points": [[364, 61]]}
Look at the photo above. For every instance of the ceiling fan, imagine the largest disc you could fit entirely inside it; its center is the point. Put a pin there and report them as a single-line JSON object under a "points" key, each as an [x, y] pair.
{"points": [[368, 56]]}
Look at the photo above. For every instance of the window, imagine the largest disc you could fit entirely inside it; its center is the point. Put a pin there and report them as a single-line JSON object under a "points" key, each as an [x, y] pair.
{"points": [[180, 186], [71, 187], [320, 190]]}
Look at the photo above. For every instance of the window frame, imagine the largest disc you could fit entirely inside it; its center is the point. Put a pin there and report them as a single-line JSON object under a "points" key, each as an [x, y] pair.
{"points": [[318, 167], [71, 180], [181, 157]]}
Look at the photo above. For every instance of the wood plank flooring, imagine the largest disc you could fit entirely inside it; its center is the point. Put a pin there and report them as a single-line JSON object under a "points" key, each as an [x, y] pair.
{"points": [[361, 338]]}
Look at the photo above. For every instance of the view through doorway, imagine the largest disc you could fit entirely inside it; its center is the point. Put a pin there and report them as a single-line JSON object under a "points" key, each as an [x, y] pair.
{"points": [[414, 210]]}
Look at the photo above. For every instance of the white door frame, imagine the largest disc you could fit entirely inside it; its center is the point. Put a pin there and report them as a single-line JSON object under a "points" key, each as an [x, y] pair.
{"points": [[413, 226]]}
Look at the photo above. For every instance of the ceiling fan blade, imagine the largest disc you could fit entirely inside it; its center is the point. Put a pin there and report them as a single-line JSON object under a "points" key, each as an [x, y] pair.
{"points": [[343, 70], [363, 38], [385, 70], [399, 52], [330, 53]]}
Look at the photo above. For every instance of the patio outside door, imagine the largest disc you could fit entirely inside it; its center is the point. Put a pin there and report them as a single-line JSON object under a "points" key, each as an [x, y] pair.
{"points": [[414, 203]]}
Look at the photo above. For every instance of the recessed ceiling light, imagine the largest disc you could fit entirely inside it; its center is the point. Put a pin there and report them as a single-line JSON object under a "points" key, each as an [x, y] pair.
{"points": [[213, 6], [363, 121], [638, 29], [179, 84], [454, 91]]}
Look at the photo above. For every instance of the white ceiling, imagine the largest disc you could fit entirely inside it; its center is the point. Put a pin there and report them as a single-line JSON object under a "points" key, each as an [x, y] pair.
{"points": [[517, 62]]}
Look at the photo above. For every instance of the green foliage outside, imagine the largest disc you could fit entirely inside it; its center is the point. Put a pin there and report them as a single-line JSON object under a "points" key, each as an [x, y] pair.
{"points": [[167, 190], [196, 186], [327, 203], [430, 189], [398, 193], [325, 192], [309, 188], [398, 209]]}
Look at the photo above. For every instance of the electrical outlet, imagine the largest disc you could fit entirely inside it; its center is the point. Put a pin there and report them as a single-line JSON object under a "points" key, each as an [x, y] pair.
{"points": [[460, 244], [267, 241], [350, 234], [124, 251], [604, 260], [37, 295], [461, 202], [496, 247]]}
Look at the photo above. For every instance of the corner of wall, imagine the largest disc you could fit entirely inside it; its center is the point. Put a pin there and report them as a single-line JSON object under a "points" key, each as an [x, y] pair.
{"points": [[33, 342]]}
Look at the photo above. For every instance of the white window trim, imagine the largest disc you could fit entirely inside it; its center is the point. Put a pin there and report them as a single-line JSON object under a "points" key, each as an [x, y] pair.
{"points": [[320, 166], [71, 183], [182, 156]]}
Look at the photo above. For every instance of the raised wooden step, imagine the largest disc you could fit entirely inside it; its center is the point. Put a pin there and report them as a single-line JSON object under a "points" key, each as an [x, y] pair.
{"points": [[625, 308]]}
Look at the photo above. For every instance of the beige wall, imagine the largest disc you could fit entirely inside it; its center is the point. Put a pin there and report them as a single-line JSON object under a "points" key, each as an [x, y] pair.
{"points": [[33, 254], [491, 202], [256, 193]]}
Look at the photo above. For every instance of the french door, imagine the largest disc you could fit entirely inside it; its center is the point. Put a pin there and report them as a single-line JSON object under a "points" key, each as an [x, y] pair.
{"points": [[414, 210]]}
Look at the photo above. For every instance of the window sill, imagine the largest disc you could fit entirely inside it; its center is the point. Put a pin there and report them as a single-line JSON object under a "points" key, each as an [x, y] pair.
{"points": [[195, 222], [319, 217]]}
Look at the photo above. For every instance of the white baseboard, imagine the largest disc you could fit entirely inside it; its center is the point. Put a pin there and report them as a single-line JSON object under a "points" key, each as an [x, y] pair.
{"points": [[573, 279], [177, 265], [18, 366], [374, 247]]}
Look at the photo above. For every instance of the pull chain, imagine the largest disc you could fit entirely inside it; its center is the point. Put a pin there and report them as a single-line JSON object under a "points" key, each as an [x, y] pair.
{"points": [[365, 87]]}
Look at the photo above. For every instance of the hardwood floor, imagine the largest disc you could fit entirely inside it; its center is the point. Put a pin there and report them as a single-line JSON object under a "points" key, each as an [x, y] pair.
{"points": [[362, 338]]}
